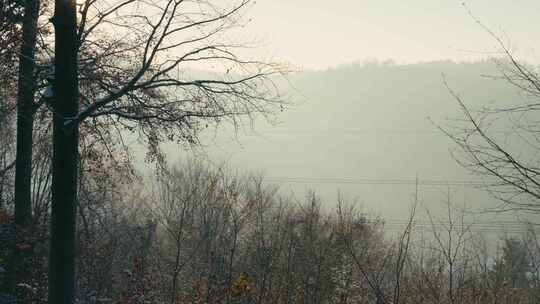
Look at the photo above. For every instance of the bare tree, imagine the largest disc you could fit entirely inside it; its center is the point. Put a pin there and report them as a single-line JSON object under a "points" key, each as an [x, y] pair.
{"points": [[164, 41], [370, 259], [179, 197], [25, 113], [500, 144], [451, 237], [143, 74]]}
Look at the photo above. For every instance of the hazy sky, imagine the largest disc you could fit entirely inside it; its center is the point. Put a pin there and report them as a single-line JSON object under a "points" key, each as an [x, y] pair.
{"points": [[317, 34]]}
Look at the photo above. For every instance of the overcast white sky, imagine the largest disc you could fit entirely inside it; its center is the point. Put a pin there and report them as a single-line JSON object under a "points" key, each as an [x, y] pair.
{"points": [[316, 34]]}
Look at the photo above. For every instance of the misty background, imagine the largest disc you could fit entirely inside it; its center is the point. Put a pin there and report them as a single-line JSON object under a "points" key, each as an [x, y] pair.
{"points": [[369, 97], [367, 131]]}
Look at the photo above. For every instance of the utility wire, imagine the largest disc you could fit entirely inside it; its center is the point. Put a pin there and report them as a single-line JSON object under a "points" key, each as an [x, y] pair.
{"points": [[335, 132], [365, 181], [489, 227]]}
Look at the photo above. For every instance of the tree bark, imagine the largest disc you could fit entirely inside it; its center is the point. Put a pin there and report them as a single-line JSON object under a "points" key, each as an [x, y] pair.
{"points": [[65, 156], [26, 89], [25, 115]]}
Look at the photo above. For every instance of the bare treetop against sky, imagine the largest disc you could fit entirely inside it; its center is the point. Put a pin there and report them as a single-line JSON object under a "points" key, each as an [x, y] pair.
{"points": [[317, 34]]}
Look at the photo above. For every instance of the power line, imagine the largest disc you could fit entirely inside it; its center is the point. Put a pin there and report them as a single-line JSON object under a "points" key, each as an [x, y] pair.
{"points": [[489, 226], [357, 132], [447, 223], [512, 227], [350, 131], [366, 181]]}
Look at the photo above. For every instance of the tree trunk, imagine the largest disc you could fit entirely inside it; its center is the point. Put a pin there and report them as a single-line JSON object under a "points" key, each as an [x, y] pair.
{"points": [[25, 124], [65, 156], [25, 115]]}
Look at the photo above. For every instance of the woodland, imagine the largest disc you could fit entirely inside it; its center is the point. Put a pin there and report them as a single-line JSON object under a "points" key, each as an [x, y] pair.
{"points": [[81, 223]]}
